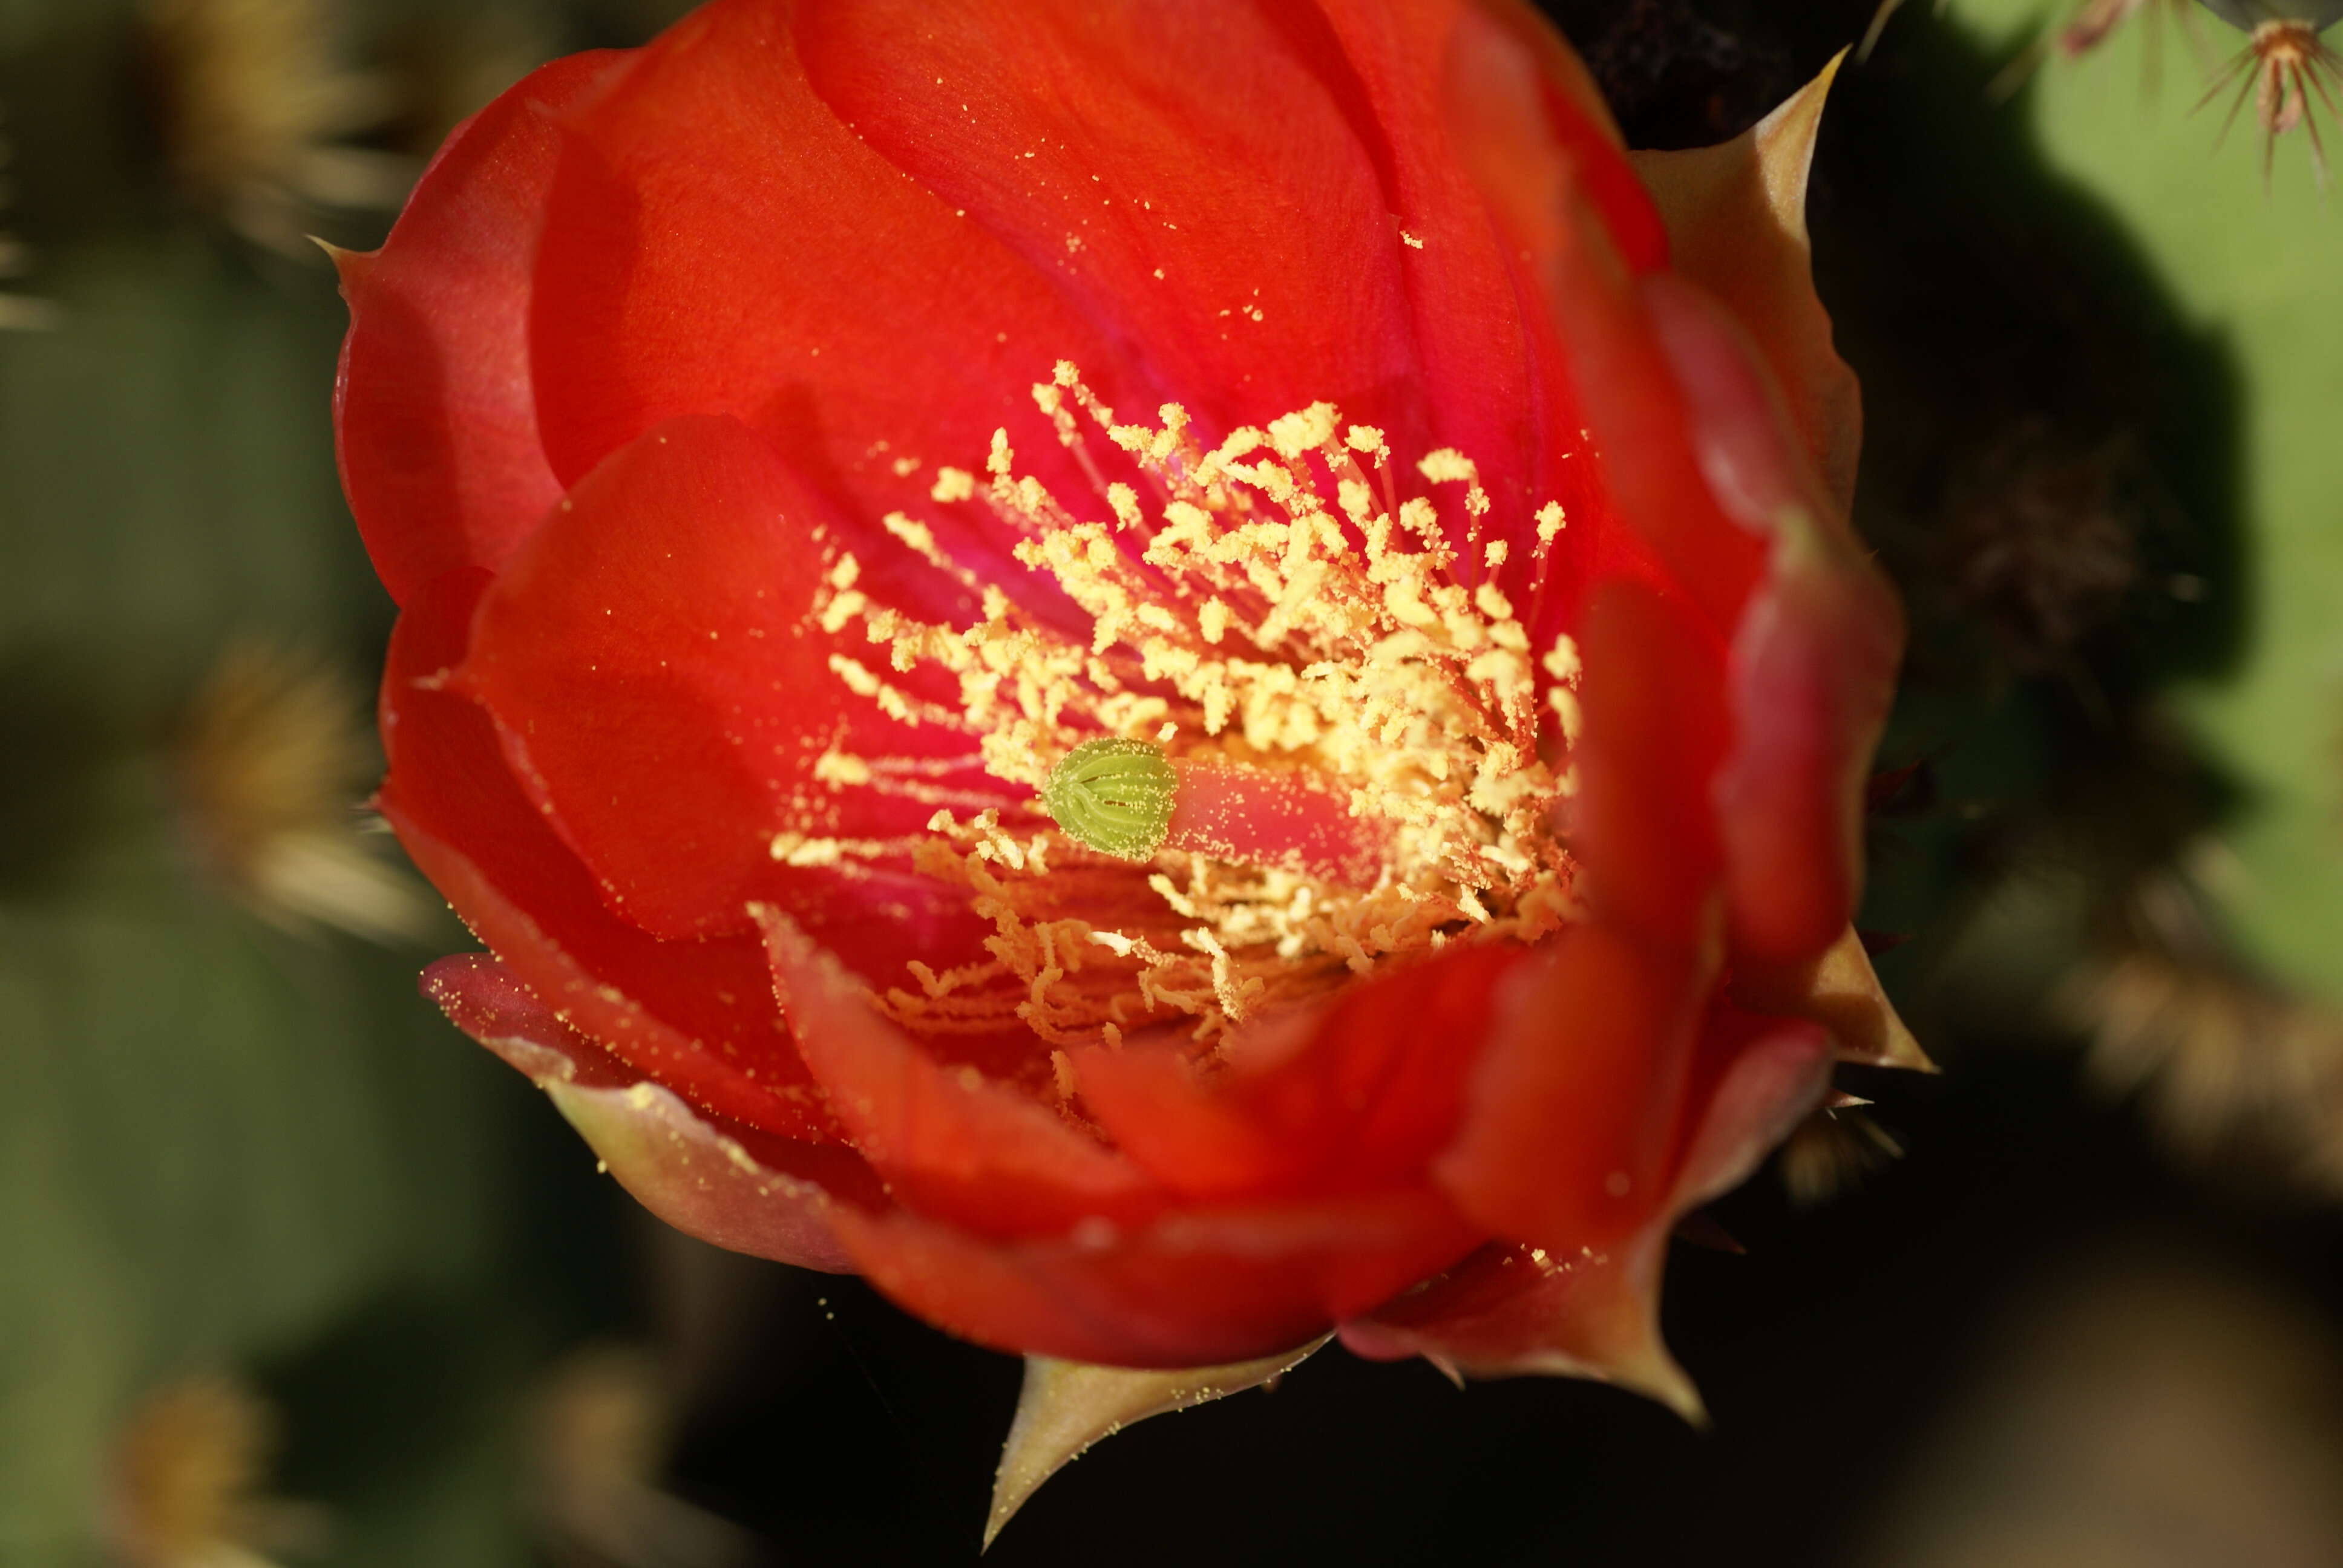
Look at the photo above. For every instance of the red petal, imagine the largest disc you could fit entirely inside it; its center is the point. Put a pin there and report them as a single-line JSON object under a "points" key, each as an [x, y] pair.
{"points": [[1191, 1290], [1511, 55], [1513, 1311], [1646, 833], [950, 1142], [1593, 1311], [695, 1015], [1460, 105], [1573, 1111], [655, 664], [435, 417], [719, 242], [1154, 162], [1358, 1096], [726, 1185], [1634, 410], [1059, 162], [1814, 661]]}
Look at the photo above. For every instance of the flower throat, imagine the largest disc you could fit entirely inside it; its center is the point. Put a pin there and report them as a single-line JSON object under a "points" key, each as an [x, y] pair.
{"points": [[1293, 747]]}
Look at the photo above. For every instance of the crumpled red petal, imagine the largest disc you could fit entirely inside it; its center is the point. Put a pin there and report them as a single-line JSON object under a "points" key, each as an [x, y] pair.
{"points": [[665, 693], [703, 273], [435, 413], [698, 1016], [1571, 1121], [1592, 1310], [1355, 1096], [949, 1142], [730, 1185], [1193, 1289]]}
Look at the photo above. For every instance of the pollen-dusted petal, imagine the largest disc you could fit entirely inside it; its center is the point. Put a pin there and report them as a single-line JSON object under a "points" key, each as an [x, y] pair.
{"points": [[1509, 116], [771, 265], [695, 1015], [1454, 100], [1573, 1112], [1193, 1289], [1355, 1094], [721, 1181], [1592, 1310], [434, 411], [657, 668], [1154, 162], [950, 1142]]}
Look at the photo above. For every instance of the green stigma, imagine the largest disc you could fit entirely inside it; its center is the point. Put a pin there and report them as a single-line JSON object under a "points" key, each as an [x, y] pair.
{"points": [[1113, 796]]}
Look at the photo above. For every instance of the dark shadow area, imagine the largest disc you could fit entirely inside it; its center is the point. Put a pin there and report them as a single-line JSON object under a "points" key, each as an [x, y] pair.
{"points": [[384, 1396], [59, 737], [1825, 1352]]}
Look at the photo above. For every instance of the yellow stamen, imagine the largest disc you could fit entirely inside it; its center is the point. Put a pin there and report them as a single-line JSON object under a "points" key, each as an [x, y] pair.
{"points": [[1280, 606]]}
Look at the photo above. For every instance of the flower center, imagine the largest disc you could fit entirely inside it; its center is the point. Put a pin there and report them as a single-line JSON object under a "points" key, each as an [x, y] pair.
{"points": [[1302, 736]]}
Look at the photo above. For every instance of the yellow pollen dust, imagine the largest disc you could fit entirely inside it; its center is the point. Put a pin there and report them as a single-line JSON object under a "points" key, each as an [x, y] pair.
{"points": [[1274, 602]]}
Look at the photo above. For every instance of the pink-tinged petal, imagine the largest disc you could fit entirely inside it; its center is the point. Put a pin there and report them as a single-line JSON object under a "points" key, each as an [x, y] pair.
{"points": [[1573, 1113], [1067, 1406], [1357, 1095], [1813, 660], [725, 1185], [657, 667], [1192, 1289], [1736, 217], [1594, 1310], [950, 1142], [1646, 833], [1764, 1076], [434, 414], [697, 1015], [704, 273]]}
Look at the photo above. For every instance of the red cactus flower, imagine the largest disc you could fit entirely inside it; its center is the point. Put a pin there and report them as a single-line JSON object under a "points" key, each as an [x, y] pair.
{"points": [[788, 442]]}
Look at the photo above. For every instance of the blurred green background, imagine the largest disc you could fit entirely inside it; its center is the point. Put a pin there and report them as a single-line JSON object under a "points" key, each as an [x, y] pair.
{"points": [[288, 1266]]}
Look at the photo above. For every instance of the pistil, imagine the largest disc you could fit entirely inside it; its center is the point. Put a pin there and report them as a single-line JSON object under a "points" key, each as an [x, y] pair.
{"points": [[1131, 800]]}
